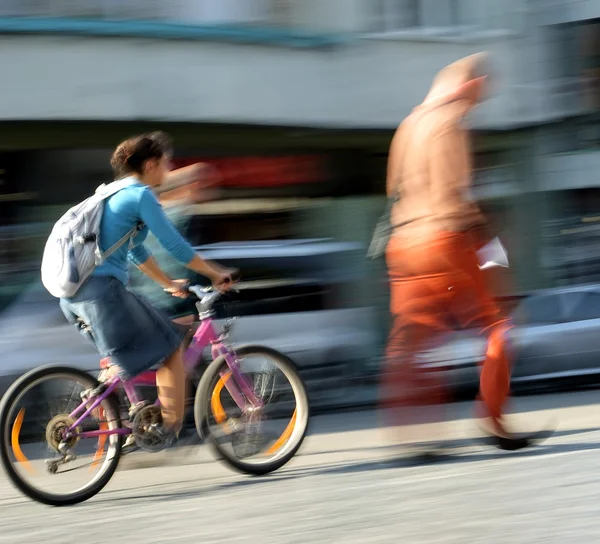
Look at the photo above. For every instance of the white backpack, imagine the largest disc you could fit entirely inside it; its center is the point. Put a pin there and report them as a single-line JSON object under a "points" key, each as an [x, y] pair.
{"points": [[72, 250]]}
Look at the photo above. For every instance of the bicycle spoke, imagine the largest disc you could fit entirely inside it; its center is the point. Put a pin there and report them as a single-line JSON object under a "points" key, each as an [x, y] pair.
{"points": [[255, 438], [40, 452]]}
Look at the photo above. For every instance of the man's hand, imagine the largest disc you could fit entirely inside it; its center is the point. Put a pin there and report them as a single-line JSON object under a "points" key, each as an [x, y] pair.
{"points": [[207, 175], [192, 183]]}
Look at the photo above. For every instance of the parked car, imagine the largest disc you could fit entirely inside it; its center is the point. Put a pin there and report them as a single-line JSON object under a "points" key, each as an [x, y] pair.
{"points": [[555, 341], [295, 303]]}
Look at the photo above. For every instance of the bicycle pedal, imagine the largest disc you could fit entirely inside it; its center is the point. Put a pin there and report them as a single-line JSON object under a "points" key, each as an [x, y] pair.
{"points": [[146, 429]]}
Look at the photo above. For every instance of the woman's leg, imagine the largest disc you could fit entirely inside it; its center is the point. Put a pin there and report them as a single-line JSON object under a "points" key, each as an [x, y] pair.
{"points": [[187, 320], [171, 383]]}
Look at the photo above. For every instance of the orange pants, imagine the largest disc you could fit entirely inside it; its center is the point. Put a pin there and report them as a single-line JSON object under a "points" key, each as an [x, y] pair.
{"points": [[437, 287]]}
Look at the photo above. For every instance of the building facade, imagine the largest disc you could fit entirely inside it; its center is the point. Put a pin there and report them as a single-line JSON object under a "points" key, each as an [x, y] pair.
{"points": [[277, 80]]}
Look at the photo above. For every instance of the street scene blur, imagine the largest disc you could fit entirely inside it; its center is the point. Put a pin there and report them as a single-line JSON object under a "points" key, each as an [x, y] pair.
{"points": [[284, 119]]}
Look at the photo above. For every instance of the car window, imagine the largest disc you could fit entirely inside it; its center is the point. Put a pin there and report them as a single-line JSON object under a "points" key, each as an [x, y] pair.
{"points": [[539, 310], [587, 306]]}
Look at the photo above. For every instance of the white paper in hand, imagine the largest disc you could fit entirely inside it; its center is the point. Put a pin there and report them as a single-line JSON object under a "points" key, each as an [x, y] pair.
{"points": [[492, 255]]}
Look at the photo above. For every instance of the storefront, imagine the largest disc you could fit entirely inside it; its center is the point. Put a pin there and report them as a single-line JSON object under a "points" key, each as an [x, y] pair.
{"points": [[590, 54], [292, 191], [572, 237], [274, 184]]}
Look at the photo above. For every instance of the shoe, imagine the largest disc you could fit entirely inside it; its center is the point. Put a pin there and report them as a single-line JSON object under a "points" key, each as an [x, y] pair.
{"points": [[133, 410], [506, 442], [500, 438], [130, 445], [167, 438], [512, 443], [93, 392]]}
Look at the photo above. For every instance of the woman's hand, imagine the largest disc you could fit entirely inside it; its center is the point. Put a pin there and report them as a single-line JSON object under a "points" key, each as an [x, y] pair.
{"points": [[223, 278], [178, 288]]}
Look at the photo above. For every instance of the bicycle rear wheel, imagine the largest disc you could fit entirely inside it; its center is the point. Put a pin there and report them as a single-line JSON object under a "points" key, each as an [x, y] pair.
{"points": [[34, 414], [253, 440]]}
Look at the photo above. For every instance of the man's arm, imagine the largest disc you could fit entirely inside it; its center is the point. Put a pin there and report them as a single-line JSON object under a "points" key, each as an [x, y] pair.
{"points": [[180, 177], [393, 166], [186, 175]]}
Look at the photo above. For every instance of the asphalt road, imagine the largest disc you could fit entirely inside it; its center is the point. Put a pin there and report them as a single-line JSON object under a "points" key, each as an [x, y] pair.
{"points": [[351, 483]]}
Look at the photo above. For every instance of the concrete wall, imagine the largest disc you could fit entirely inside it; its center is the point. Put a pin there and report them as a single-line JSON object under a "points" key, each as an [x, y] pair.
{"points": [[372, 82], [368, 80]]}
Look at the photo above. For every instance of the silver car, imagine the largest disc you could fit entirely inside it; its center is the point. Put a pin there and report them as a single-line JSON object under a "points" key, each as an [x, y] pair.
{"points": [[556, 339], [292, 311]]}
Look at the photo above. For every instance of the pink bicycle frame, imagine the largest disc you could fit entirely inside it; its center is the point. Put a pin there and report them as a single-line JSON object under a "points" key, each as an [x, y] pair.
{"points": [[238, 387]]}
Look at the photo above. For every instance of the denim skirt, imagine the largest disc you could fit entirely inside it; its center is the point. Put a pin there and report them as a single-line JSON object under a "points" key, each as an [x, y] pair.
{"points": [[122, 325]]}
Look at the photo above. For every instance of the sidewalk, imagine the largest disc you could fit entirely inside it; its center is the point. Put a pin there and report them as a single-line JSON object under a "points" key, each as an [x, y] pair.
{"points": [[363, 434]]}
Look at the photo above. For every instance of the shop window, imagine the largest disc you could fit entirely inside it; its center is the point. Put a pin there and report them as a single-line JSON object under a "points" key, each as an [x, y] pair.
{"points": [[573, 238]]}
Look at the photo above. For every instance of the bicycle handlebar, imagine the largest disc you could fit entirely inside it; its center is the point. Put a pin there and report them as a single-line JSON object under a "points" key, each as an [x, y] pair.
{"points": [[207, 296]]}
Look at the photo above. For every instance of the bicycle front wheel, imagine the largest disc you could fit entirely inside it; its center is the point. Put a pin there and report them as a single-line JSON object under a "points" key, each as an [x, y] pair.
{"points": [[253, 438], [38, 455]]}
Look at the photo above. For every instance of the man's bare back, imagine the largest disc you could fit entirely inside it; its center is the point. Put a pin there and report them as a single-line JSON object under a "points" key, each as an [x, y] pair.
{"points": [[430, 164]]}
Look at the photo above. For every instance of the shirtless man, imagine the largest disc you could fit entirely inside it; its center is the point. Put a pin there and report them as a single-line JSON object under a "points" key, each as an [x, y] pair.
{"points": [[435, 280]]}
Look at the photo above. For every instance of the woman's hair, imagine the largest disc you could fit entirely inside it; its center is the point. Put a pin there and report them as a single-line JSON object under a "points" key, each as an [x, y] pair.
{"points": [[129, 156]]}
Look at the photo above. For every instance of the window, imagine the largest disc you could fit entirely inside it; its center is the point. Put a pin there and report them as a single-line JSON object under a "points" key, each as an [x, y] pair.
{"points": [[573, 74], [587, 306], [539, 310], [101, 9], [280, 12], [193, 11], [392, 15], [590, 53], [572, 238], [233, 11]]}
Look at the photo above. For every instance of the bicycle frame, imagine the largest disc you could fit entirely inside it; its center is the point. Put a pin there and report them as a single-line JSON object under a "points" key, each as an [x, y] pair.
{"points": [[233, 380]]}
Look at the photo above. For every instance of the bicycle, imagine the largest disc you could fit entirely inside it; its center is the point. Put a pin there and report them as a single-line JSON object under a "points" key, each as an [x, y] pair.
{"points": [[239, 428]]}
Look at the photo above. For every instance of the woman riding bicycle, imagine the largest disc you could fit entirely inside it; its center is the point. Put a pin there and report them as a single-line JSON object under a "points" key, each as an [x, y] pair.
{"points": [[124, 326]]}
